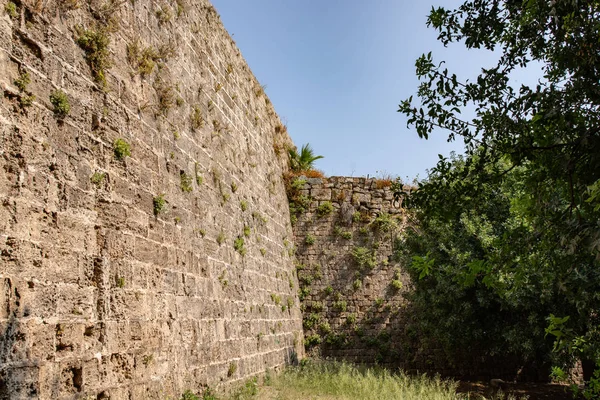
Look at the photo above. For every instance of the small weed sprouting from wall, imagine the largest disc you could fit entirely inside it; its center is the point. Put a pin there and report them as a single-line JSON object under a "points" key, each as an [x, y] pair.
{"points": [[22, 81], [11, 10], [325, 208], [243, 205], [221, 238], [98, 178], [159, 203], [238, 245], [310, 239], [121, 149], [95, 45], [364, 257], [231, 370], [60, 101], [185, 182], [196, 119]]}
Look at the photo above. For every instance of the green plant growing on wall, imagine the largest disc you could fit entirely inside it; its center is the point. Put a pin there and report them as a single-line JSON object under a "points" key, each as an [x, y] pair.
{"points": [[234, 187], [121, 149], [310, 239], [189, 395], [357, 284], [276, 298], [95, 45], [185, 182], [328, 290], [120, 282], [196, 119], [166, 96], [290, 301], [356, 216], [163, 14], [222, 280], [97, 178], [324, 209], [231, 370], [221, 238], [396, 282], [11, 10], [384, 222], [312, 340], [199, 178], [243, 205], [346, 235], [340, 305], [159, 203], [364, 257], [379, 302], [22, 81], [238, 245], [247, 230], [25, 99], [351, 319], [263, 251]]}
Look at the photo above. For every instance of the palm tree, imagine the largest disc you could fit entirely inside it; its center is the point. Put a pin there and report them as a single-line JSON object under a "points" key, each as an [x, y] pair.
{"points": [[303, 161]]}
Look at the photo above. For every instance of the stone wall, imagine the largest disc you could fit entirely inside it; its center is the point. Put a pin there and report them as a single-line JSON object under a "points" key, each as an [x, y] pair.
{"points": [[351, 286], [142, 275], [355, 294]]}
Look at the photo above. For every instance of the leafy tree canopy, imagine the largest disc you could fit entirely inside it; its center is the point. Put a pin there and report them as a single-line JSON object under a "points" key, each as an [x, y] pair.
{"points": [[519, 215]]}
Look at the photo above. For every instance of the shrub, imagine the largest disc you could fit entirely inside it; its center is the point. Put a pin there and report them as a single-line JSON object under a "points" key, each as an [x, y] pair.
{"points": [[60, 101], [121, 149], [310, 239], [324, 208], [357, 284]]}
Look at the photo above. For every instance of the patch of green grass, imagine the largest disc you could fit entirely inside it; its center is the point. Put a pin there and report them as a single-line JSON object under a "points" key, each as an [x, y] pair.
{"points": [[121, 149], [335, 380], [60, 101]]}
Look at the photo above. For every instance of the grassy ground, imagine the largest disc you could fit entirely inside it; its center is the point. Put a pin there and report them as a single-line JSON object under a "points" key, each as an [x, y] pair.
{"points": [[340, 381]]}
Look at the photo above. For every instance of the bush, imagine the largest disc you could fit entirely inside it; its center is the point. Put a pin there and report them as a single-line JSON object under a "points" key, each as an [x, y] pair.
{"points": [[121, 149]]}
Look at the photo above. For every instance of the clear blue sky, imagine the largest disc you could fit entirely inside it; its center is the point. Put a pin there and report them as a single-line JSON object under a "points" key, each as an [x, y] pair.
{"points": [[336, 71]]}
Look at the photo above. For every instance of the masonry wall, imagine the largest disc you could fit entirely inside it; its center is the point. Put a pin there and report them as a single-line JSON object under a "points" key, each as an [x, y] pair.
{"points": [[168, 269], [351, 286]]}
